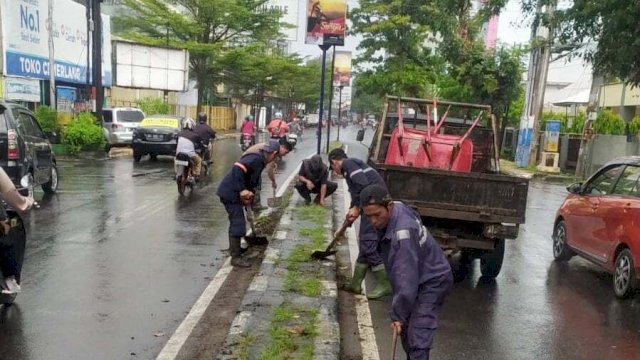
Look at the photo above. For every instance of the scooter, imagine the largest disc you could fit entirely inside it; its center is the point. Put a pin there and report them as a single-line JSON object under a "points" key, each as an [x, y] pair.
{"points": [[292, 139], [247, 141], [12, 248]]}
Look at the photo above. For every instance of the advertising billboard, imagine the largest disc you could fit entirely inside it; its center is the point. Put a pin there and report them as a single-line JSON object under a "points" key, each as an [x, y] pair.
{"points": [[289, 10], [26, 51], [22, 89], [342, 69], [148, 67], [326, 22]]}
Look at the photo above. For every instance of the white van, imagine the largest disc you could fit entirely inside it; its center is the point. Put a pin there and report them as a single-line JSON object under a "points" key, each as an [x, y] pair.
{"points": [[118, 124]]}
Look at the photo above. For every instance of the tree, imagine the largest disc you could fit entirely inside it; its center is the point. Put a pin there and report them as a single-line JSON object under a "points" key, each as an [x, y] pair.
{"points": [[207, 29], [613, 24]]}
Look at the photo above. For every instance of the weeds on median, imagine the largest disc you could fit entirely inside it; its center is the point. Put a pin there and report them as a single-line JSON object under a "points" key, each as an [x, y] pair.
{"points": [[292, 332], [243, 346], [313, 213]]}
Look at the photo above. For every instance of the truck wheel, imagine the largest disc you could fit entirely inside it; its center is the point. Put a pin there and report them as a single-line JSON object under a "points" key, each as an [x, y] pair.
{"points": [[491, 263], [136, 156], [464, 265]]}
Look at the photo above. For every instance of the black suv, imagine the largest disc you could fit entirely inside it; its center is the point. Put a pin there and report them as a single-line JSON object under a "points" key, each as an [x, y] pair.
{"points": [[25, 148]]}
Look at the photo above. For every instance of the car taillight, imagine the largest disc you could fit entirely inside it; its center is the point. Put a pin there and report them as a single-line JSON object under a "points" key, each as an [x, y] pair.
{"points": [[14, 152], [117, 127]]}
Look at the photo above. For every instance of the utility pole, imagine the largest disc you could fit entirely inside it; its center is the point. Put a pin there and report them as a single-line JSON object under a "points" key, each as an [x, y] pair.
{"points": [[529, 136], [89, 37], [97, 57], [592, 112], [52, 60], [339, 112], [333, 64], [323, 68]]}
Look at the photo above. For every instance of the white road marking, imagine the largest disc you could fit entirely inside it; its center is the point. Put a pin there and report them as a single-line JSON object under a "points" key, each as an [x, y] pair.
{"points": [[176, 342], [180, 336], [259, 283], [368, 343]]}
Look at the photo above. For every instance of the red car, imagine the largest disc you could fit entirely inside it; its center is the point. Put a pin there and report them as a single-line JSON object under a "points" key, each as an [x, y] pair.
{"points": [[600, 221]]}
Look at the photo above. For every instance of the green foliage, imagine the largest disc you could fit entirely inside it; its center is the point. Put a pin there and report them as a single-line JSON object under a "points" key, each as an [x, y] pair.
{"points": [[83, 133], [634, 126], [153, 105], [613, 26], [609, 123], [47, 118], [577, 122]]}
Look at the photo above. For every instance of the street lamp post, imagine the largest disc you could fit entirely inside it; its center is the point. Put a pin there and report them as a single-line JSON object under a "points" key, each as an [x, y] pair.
{"points": [[333, 62], [339, 111], [324, 49]]}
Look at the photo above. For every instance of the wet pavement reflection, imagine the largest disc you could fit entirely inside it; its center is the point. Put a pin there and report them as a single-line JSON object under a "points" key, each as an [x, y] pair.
{"points": [[116, 258]]}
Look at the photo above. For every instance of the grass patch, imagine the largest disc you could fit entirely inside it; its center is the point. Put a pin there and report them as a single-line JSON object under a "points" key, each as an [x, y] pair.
{"points": [[311, 287], [243, 346], [316, 234], [301, 253], [315, 214], [291, 332]]}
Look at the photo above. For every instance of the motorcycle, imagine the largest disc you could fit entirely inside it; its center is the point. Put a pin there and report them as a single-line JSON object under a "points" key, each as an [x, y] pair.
{"points": [[292, 139], [12, 247], [247, 141], [184, 172]]}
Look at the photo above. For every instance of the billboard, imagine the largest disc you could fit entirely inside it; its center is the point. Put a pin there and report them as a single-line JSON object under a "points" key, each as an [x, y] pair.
{"points": [[342, 69], [26, 51], [326, 22], [288, 10], [148, 67], [22, 89]]}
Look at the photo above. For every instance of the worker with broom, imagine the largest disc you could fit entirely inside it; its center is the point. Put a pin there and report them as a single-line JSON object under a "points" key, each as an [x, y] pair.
{"points": [[419, 270], [358, 176], [237, 189]]}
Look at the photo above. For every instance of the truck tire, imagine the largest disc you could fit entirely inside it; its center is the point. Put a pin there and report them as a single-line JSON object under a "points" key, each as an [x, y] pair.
{"points": [[491, 262], [465, 262]]}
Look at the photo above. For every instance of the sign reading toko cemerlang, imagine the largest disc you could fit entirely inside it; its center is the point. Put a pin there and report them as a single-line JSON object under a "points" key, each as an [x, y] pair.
{"points": [[25, 40]]}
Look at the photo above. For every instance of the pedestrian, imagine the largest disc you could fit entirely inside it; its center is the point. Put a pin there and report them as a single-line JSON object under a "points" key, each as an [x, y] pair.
{"points": [[283, 149], [419, 270], [358, 176], [313, 178], [237, 189]]}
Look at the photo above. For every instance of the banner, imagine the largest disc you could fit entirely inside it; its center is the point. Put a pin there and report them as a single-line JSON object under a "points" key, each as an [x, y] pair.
{"points": [[22, 89], [289, 11], [27, 49], [342, 69], [326, 22]]}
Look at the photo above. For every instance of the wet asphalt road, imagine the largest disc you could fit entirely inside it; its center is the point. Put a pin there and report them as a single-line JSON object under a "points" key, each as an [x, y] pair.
{"points": [[116, 258], [535, 308]]}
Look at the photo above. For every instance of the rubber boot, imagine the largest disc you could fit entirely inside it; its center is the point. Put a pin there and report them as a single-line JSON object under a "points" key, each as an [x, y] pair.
{"points": [[383, 287], [235, 250], [359, 273]]}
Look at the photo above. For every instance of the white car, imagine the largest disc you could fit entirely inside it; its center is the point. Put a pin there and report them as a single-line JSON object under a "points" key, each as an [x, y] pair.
{"points": [[118, 124]]}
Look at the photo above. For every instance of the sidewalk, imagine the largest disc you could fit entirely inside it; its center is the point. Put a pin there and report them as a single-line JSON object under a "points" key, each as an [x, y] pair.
{"points": [[290, 308], [510, 168]]}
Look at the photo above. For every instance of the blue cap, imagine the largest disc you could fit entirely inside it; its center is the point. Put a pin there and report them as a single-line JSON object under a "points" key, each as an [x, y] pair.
{"points": [[271, 146]]}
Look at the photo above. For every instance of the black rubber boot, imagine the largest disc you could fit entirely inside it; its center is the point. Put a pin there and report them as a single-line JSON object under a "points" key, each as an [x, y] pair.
{"points": [[236, 253]]}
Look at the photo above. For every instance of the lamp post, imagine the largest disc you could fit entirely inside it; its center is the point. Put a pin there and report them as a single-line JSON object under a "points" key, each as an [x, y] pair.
{"points": [[339, 111], [333, 62], [324, 49]]}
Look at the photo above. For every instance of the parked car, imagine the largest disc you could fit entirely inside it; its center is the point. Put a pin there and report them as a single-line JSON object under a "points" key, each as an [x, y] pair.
{"points": [[25, 147], [118, 124], [599, 221], [156, 135]]}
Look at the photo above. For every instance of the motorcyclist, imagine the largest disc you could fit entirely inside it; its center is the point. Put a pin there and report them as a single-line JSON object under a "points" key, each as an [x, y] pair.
{"points": [[248, 127], [206, 133], [277, 127], [8, 263], [188, 142]]}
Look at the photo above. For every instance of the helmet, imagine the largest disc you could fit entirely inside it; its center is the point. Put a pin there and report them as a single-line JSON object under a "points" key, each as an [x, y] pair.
{"points": [[278, 115], [188, 124], [202, 117], [249, 117]]}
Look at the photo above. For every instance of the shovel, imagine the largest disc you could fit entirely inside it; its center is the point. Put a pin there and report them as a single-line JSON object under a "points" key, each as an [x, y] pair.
{"points": [[319, 254], [274, 201], [253, 239]]}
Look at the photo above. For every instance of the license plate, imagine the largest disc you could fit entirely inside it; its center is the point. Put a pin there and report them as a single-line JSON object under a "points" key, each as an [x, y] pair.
{"points": [[182, 163], [155, 137]]}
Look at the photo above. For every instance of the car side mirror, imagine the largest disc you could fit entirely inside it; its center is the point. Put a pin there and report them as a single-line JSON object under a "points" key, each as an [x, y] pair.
{"points": [[360, 135], [575, 188]]}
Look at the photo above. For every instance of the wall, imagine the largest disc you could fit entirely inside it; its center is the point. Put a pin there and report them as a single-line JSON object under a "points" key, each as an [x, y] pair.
{"points": [[220, 117], [605, 148]]}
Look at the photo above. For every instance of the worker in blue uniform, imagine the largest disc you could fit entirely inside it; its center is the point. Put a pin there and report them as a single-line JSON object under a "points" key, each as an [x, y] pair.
{"points": [[419, 270], [237, 189], [358, 176]]}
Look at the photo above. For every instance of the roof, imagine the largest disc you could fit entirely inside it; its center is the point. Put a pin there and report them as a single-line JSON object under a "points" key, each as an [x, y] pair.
{"points": [[579, 98]]}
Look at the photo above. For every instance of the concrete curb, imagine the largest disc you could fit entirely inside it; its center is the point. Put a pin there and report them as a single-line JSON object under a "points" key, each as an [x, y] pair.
{"points": [[267, 291]]}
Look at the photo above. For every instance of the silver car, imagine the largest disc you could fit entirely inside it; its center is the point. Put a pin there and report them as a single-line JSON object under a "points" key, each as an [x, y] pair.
{"points": [[118, 124]]}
